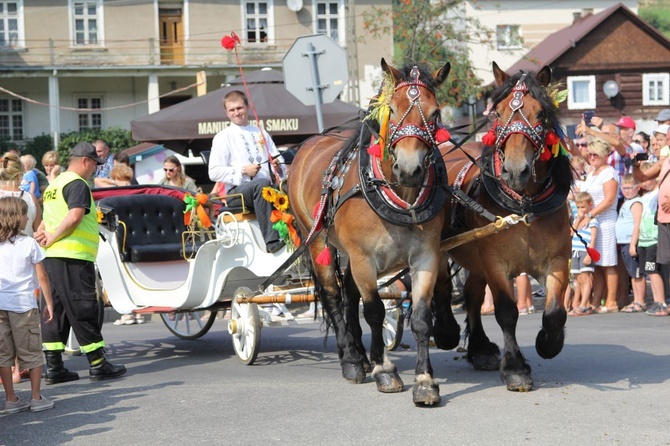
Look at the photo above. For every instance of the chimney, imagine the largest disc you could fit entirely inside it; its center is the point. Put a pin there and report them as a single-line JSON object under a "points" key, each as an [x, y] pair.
{"points": [[587, 12], [576, 16]]}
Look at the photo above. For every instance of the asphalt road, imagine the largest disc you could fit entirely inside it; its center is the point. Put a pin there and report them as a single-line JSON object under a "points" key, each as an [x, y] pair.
{"points": [[608, 387]]}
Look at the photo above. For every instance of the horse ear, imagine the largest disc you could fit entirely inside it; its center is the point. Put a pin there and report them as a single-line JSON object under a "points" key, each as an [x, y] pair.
{"points": [[499, 75], [544, 75], [395, 74], [441, 75]]}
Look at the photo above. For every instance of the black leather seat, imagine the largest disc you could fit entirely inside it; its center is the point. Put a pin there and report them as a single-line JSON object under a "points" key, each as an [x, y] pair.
{"points": [[150, 227]]}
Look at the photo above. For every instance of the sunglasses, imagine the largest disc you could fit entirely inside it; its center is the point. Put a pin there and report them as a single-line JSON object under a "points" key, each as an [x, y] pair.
{"points": [[582, 144], [592, 154], [169, 170], [637, 141]]}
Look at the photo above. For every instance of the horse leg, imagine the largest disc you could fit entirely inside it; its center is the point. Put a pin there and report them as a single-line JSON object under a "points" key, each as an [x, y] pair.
{"points": [[513, 368], [353, 297], [327, 287], [446, 331], [384, 372], [425, 392], [550, 338], [482, 353]]}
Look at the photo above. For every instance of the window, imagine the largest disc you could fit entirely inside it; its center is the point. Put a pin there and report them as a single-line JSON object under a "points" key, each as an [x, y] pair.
{"points": [[582, 92], [86, 22], [656, 89], [88, 118], [10, 21], [256, 24], [508, 37], [328, 19], [11, 119]]}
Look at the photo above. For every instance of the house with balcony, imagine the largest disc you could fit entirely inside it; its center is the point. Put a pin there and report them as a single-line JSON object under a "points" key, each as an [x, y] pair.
{"points": [[68, 65], [520, 25]]}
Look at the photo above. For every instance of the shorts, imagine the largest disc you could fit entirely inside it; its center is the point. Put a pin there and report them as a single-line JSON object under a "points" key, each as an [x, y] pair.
{"points": [[647, 259], [632, 264], [20, 336], [663, 250], [577, 263]]}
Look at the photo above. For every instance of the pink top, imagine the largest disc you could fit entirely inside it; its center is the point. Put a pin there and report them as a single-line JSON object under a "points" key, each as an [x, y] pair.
{"points": [[664, 191]]}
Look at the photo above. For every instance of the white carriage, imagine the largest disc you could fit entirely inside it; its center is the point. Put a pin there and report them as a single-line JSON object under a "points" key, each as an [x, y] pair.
{"points": [[150, 262]]}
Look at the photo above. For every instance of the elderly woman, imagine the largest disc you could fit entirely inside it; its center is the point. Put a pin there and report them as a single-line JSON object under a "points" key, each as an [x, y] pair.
{"points": [[602, 182], [174, 175]]}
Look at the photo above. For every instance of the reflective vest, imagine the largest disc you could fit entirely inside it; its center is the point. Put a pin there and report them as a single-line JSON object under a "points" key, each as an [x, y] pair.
{"points": [[82, 243]]}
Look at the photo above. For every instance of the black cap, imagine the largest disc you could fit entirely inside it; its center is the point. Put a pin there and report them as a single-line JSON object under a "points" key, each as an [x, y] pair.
{"points": [[88, 150]]}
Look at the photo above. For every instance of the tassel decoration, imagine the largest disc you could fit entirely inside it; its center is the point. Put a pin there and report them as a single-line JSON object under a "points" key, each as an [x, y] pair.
{"points": [[594, 254], [375, 150], [324, 258], [490, 138], [442, 135], [545, 155], [229, 42], [551, 139]]}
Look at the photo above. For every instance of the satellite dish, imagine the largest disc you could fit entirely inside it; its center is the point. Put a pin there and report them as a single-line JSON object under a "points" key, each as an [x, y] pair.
{"points": [[294, 5]]}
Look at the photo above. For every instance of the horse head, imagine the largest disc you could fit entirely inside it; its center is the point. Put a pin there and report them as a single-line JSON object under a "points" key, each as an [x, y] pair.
{"points": [[413, 121], [524, 129]]}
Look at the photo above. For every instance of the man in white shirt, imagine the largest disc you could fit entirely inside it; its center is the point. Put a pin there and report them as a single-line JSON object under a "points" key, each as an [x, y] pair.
{"points": [[239, 159]]}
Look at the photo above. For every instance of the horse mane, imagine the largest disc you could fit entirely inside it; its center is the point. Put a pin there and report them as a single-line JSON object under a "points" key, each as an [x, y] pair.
{"points": [[425, 75], [561, 171]]}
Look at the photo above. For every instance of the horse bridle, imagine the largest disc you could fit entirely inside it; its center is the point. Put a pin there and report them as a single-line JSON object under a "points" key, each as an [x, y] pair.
{"points": [[534, 133], [401, 131]]}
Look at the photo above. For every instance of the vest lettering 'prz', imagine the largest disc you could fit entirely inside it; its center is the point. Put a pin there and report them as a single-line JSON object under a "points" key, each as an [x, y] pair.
{"points": [[82, 244]]}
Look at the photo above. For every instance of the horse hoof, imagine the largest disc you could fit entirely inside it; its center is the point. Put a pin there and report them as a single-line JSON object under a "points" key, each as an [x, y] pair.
{"points": [[519, 383], [426, 394], [549, 346], [446, 338], [388, 382], [353, 373]]}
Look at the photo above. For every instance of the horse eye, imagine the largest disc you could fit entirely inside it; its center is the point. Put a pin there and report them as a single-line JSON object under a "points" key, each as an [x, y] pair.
{"points": [[540, 115]]}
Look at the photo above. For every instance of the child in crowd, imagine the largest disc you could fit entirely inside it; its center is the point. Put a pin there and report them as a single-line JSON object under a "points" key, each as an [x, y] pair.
{"points": [[581, 264], [121, 174], [644, 242], [50, 162], [20, 260], [629, 213], [30, 182]]}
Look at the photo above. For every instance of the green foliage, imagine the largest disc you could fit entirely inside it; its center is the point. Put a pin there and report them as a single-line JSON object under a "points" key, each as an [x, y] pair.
{"points": [[432, 33], [116, 138], [6, 144], [658, 17], [38, 147]]}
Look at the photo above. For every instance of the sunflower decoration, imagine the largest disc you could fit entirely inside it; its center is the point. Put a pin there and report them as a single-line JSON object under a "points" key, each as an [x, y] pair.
{"points": [[282, 221], [556, 94]]}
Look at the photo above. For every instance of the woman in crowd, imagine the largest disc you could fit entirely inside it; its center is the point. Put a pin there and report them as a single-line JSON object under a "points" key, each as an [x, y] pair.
{"points": [[603, 185], [174, 175]]}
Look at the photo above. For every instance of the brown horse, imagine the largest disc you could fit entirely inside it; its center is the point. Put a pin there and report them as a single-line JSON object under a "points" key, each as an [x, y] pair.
{"points": [[520, 172], [386, 214]]}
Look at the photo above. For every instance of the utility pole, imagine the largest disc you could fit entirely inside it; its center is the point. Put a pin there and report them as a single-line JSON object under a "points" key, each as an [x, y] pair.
{"points": [[353, 92]]}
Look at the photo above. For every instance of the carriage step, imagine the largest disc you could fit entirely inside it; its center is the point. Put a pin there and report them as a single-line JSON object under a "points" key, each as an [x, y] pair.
{"points": [[155, 310]]}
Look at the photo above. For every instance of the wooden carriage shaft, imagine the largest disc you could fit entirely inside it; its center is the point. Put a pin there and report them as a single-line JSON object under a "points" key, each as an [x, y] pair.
{"points": [[290, 298]]}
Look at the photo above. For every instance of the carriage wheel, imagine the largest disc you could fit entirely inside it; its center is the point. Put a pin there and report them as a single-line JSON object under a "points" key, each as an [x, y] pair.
{"points": [[227, 232], [393, 325], [245, 328], [188, 324]]}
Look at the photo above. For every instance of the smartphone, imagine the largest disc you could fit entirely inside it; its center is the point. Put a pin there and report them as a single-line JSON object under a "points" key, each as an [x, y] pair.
{"points": [[587, 115], [641, 157]]}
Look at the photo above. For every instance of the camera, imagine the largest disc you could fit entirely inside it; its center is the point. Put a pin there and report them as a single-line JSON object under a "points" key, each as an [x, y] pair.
{"points": [[641, 157], [587, 115]]}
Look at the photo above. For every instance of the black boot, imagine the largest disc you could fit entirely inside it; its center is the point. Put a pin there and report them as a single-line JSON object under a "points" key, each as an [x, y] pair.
{"points": [[100, 368], [56, 373]]}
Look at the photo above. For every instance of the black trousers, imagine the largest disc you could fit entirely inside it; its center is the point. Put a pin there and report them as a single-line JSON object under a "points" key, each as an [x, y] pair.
{"points": [[75, 305], [253, 199]]}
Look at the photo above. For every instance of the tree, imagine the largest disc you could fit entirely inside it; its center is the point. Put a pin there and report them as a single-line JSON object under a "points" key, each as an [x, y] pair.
{"points": [[432, 33]]}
